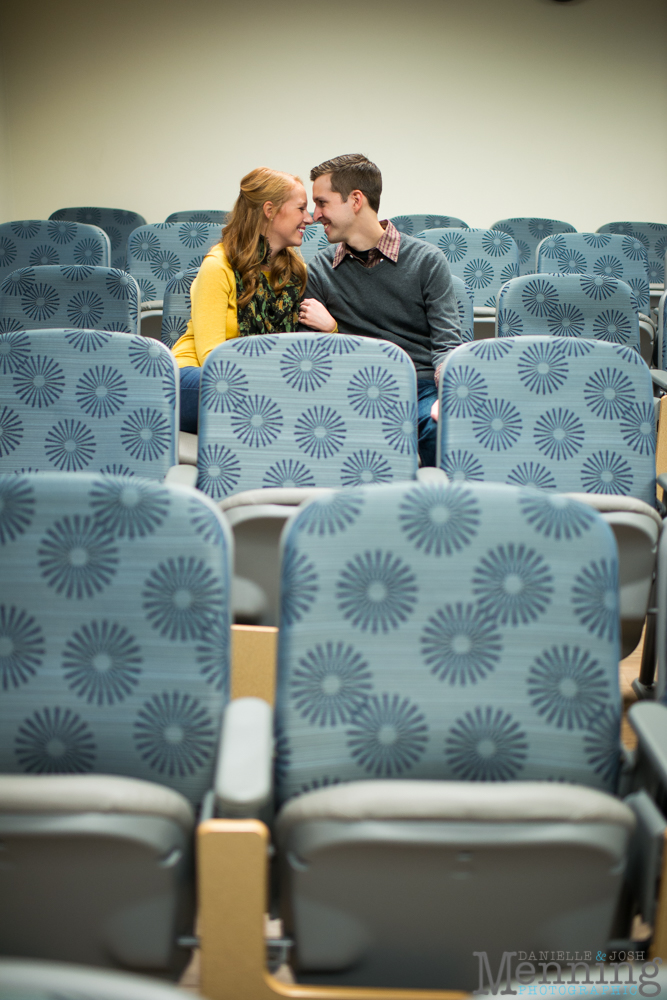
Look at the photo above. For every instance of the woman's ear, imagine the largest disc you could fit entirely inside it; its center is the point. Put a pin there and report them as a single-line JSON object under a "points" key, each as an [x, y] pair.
{"points": [[267, 208]]}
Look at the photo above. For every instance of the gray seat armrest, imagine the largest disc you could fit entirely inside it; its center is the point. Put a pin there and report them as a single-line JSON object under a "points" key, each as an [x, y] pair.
{"points": [[284, 495], [649, 721], [243, 776], [659, 378], [427, 474], [187, 448], [183, 475], [25, 978]]}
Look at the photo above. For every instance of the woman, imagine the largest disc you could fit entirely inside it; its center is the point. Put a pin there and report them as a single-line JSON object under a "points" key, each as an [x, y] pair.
{"points": [[251, 282]]}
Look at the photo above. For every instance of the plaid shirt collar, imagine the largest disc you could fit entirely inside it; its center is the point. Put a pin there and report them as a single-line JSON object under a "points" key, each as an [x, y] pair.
{"points": [[387, 246]]}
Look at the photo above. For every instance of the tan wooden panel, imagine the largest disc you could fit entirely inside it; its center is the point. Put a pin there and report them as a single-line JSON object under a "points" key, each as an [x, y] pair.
{"points": [[254, 651]]}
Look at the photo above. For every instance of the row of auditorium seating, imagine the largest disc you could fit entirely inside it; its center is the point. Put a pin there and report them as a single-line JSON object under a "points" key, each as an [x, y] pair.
{"points": [[482, 258], [527, 232], [281, 416], [449, 776]]}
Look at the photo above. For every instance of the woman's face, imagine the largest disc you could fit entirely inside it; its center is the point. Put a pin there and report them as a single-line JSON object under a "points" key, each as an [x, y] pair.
{"points": [[288, 224]]}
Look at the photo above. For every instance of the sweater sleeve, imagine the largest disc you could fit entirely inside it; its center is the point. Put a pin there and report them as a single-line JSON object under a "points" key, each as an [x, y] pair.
{"points": [[210, 295], [441, 309]]}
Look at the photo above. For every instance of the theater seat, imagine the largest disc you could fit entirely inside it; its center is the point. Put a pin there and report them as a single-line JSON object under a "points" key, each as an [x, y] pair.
{"points": [[114, 642], [534, 411], [448, 766]]}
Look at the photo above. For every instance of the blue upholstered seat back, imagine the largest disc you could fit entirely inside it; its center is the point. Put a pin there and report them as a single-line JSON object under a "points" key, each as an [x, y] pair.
{"points": [[96, 298], [566, 305], [465, 309], [484, 258], [654, 237], [200, 215], [176, 306], [528, 233], [411, 225], [75, 400], [297, 409], [598, 256], [314, 240], [156, 253], [37, 243], [117, 223], [467, 631], [114, 629], [526, 411]]}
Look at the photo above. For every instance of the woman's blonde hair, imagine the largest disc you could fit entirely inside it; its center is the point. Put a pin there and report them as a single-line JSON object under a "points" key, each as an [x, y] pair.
{"points": [[245, 225]]}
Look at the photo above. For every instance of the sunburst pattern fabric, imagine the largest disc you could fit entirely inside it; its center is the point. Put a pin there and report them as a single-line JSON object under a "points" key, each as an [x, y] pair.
{"points": [[114, 629], [456, 632]]}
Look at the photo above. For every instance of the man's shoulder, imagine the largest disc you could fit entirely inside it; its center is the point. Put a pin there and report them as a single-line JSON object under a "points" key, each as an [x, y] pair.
{"points": [[323, 260], [420, 249]]}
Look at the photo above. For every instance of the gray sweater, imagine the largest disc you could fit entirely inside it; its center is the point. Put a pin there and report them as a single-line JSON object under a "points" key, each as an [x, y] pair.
{"points": [[411, 303]]}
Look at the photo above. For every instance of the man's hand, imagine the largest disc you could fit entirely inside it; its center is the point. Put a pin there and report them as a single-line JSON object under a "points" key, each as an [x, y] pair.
{"points": [[313, 314]]}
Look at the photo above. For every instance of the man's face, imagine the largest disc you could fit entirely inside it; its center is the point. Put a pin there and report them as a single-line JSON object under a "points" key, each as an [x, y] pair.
{"points": [[337, 216]]}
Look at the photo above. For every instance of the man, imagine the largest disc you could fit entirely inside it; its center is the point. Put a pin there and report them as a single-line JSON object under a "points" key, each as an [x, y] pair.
{"points": [[378, 282]]}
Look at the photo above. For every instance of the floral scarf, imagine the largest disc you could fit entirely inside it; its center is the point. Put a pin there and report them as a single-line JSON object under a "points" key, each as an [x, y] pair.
{"points": [[268, 311]]}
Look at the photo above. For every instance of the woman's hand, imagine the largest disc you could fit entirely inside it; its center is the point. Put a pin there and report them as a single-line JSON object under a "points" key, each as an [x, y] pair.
{"points": [[313, 314]]}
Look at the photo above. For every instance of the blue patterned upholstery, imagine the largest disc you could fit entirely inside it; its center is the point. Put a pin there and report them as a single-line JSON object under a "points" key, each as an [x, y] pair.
{"points": [[305, 410], [314, 240], [598, 256], [36, 243], [176, 307], [156, 253], [654, 237], [528, 233], [114, 629], [215, 216], [76, 400], [465, 309], [483, 258], [452, 632], [116, 223], [98, 298], [535, 411], [565, 305], [412, 225]]}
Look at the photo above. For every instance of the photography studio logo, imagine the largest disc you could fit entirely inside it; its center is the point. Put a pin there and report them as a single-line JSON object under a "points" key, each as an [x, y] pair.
{"points": [[559, 973]]}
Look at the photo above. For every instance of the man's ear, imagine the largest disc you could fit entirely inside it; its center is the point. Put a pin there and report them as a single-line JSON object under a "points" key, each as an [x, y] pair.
{"points": [[357, 198], [267, 208]]}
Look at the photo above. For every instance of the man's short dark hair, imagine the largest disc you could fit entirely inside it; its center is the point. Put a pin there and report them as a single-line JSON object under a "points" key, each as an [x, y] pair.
{"points": [[352, 172]]}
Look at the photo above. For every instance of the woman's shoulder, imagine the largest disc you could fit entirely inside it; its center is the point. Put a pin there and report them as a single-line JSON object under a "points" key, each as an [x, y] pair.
{"points": [[216, 260]]}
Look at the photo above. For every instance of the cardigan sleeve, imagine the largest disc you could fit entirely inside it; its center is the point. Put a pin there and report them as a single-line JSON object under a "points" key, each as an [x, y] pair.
{"points": [[211, 293]]}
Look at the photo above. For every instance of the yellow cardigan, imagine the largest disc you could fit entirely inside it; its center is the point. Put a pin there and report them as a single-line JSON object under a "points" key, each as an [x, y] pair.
{"points": [[213, 317]]}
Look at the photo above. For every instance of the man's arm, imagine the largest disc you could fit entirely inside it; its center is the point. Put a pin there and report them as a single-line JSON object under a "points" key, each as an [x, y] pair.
{"points": [[442, 311]]}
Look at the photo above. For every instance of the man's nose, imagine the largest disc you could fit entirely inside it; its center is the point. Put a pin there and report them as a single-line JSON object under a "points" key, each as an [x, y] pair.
{"points": [[317, 214]]}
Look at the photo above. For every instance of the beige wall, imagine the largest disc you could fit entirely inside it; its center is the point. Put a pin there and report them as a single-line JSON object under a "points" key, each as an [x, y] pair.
{"points": [[5, 194], [479, 108]]}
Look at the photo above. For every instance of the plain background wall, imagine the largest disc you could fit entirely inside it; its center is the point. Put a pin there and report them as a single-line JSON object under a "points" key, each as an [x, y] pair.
{"points": [[5, 202], [479, 108]]}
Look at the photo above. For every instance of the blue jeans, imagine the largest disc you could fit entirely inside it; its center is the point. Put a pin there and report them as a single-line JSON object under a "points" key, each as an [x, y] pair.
{"points": [[190, 399], [427, 393]]}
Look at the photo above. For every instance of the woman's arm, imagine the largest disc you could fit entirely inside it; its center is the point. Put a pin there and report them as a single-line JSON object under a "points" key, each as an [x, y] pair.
{"points": [[213, 294]]}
